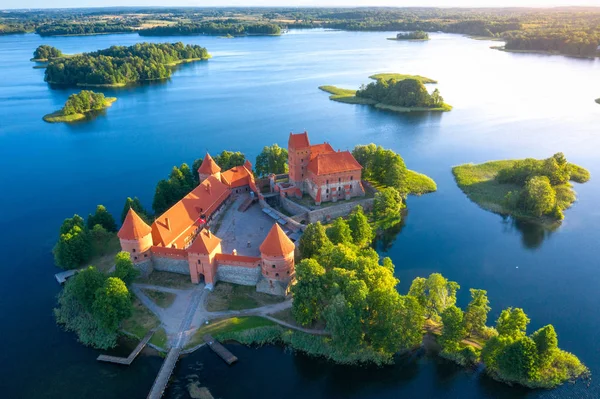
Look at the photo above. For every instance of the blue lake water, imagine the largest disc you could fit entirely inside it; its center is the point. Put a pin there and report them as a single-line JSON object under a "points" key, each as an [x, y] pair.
{"points": [[253, 93]]}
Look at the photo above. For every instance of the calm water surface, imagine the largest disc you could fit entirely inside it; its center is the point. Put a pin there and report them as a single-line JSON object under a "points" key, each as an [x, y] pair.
{"points": [[251, 94]]}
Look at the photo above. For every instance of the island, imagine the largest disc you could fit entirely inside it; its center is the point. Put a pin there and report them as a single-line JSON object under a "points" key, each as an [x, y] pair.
{"points": [[118, 66], [393, 92], [79, 106], [411, 36], [213, 28], [539, 190], [46, 53]]}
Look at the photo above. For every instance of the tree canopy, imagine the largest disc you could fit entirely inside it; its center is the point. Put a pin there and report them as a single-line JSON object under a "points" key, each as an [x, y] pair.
{"points": [[272, 159], [402, 93], [170, 191], [45, 52]]}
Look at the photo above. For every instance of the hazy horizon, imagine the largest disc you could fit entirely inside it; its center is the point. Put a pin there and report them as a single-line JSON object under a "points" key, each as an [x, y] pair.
{"points": [[42, 4]]}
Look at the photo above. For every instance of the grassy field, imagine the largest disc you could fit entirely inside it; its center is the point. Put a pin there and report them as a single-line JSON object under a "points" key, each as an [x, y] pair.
{"points": [[141, 321], [401, 76], [345, 96], [419, 184], [161, 298], [237, 297], [159, 338], [225, 326], [58, 116], [166, 279], [479, 183]]}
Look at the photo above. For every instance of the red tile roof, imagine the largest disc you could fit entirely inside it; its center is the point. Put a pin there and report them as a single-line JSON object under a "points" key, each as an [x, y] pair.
{"points": [[317, 149], [209, 166], [133, 227], [277, 243], [298, 141], [236, 258], [237, 176], [205, 243], [183, 217], [335, 162]]}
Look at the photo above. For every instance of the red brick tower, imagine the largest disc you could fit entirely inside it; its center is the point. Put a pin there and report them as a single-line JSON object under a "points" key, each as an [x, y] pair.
{"points": [[298, 157], [135, 237]]}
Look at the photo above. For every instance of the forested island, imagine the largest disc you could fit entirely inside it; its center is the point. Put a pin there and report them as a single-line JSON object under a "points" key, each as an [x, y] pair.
{"points": [[120, 65], [79, 105], [412, 36], [45, 53], [393, 92], [77, 29], [530, 188], [231, 28]]}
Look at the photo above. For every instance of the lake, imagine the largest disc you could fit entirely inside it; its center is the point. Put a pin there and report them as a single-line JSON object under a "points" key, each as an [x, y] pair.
{"points": [[253, 93]]}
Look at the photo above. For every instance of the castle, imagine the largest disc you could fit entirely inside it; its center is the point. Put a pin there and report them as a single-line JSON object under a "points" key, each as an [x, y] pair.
{"points": [[180, 240]]}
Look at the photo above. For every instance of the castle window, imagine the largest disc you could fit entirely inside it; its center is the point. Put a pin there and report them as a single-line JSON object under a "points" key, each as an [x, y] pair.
{"points": [[135, 258], [340, 180], [145, 255], [326, 181], [273, 266], [267, 273], [276, 274], [327, 191], [351, 177], [199, 262], [133, 250], [288, 272]]}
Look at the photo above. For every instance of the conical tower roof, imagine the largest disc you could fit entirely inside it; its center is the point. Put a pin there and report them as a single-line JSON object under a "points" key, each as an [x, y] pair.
{"points": [[209, 166], [277, 243], [133, 227]]}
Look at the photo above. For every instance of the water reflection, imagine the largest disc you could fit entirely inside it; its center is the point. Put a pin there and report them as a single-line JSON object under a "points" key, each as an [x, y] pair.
{"points": [[532, 233]]}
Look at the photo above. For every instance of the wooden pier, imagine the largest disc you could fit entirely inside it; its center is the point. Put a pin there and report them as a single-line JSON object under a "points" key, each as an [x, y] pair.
{"points": [[129, 359], [162, 379], [219, 349], [62, 277]]}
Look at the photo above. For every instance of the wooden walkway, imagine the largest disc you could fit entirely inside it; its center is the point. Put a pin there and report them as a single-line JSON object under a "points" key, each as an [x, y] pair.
{"points": [[62, 277], [219, 349], [129, 359], [162, 379]]}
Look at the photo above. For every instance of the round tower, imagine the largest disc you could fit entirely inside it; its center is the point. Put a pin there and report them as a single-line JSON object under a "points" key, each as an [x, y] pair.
{"points": [[135, 237], [277, 255], [209, 168]]}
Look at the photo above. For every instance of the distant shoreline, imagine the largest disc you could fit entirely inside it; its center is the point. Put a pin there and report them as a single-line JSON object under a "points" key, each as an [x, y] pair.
{"points": [[503, 48]]}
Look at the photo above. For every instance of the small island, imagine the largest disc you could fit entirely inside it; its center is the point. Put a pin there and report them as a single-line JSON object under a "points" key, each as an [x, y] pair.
{"points": [[418, 36], [79, 106], [393, 92], [45, 53], [118, 66], [528, 188]]}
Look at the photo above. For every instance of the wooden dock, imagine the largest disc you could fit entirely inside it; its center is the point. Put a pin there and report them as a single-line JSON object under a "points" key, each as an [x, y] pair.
{"points": [[162, 379], [129, 359], [62, 277], [219, 349]]}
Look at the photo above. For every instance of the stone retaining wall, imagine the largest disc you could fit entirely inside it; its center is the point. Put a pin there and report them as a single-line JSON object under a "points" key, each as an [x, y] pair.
{"points": [[165, 264], [145, 267], [238, 274], [335, 211], [295, 209]]}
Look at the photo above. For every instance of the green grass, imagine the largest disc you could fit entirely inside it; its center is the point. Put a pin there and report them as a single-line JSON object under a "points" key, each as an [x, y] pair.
{"points": [[444, 108], [159, 338], [479, 183], [161, 298], [58, 116], [401, 76], [141, 321], [219, 328], [103, 253], [419, 184], [237, 297], [166, 279], [345, 96]]}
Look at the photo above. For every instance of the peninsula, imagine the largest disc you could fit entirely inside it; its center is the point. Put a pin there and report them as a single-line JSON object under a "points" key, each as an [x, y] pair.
{"points": [[527, 188], [417, 36], [79, 106], [393, 92], [119, 65], [45, 53]]}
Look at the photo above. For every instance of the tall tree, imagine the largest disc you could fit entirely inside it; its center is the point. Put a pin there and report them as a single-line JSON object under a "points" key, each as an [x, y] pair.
{"points": [[517, 361], [112, 303], [435, 293], [308, 292], [453, 328], [73, 248], [339, 232], [477, 312], [313, 240], [124, 268], [272, 159], [227, 159], [103, 218], [546, 342], [538, 197], [137, 206], [85, 284], [512, 323], [362, 234]]}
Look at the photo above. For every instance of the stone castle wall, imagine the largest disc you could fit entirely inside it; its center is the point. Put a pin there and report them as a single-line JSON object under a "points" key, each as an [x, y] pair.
{"points": [[292, 207], [145, 267], [171, 264], [342, 209], [238, 274]]}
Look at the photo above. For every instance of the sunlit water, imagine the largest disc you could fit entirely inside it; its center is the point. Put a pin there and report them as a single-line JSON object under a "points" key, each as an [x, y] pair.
{"points": [[251, 94]]}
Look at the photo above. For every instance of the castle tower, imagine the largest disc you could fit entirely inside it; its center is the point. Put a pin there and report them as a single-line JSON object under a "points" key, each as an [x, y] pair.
{"points": [[277, 255], [298, 158], [201, 258], [209, 168], [135, 237]]}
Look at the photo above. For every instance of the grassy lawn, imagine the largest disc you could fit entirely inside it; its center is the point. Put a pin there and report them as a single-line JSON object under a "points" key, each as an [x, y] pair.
{"points": [[237, 297], [159, 338], [165, 279], [419, 184], [225, 326], [162, 299], [141, 321], [401, 76], [104, 253], [286, 316]]}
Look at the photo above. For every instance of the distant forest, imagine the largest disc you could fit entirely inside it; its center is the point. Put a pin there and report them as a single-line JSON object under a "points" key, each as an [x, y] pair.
{"points": [[568, 30]]}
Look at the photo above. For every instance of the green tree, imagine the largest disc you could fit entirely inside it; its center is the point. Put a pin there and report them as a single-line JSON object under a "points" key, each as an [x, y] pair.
{"points": [[45, 52], [73, 248], [124, 268], [69, 223], [308, 292], [227, 160], [137, 206], [387, 206], [538, 197], [512, 323], [313, 240], [272, 159], [435, 293], [477, 312], [517, 361], [84, 285], [362, 234], [546, 342], [453, 328], [339, 232], [103, 218], [112, 303], [343, 321]]}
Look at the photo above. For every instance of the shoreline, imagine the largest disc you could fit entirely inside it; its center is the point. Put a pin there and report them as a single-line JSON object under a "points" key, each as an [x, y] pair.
{"points": [[58, 117], [544, 52], [407, 40]]}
